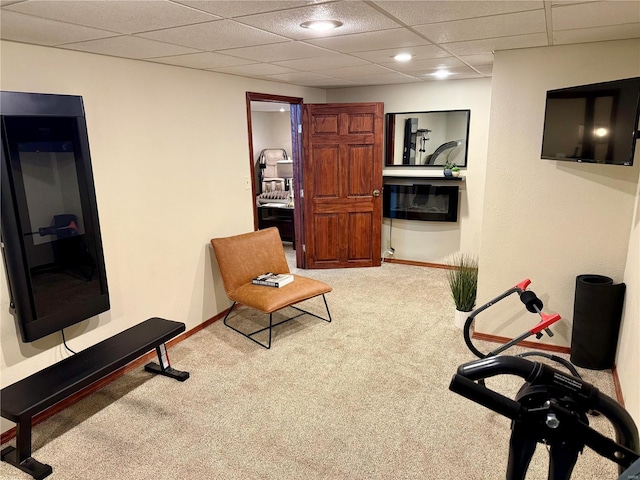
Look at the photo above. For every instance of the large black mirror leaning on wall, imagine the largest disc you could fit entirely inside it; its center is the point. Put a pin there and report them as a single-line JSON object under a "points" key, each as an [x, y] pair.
{"points": [[427, 139], [51, 242]]}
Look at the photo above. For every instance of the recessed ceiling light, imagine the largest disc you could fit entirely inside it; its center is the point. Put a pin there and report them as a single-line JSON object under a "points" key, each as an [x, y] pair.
{"points": [[321, 25], [441, 74], [403, 57], [282, 109]]}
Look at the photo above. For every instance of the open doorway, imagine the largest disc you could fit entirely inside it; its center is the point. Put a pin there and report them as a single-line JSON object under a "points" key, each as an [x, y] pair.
{"points": [[275, 150]]}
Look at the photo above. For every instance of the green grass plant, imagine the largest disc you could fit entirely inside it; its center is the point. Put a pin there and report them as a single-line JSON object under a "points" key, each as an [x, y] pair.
{"points": [[463, 281]]}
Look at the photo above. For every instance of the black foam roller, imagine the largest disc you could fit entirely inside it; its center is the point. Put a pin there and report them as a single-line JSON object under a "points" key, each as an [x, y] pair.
{"points": [[597, 311]]}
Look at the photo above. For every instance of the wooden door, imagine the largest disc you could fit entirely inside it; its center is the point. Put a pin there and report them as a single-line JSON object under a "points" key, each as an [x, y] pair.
{"points": [[342, 184]]}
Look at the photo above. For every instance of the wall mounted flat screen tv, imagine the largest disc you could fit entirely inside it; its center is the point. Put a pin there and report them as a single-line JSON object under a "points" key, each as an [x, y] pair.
{"points": [[51, 243], [595, 123]]}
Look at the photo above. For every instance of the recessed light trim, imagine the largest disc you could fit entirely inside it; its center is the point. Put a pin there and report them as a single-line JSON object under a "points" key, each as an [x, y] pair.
{"points": [[321, 25], [442, 73], [403, 57]]}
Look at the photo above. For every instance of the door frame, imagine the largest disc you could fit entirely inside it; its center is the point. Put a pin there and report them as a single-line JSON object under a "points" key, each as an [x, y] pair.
{"points": [[295, 105]]}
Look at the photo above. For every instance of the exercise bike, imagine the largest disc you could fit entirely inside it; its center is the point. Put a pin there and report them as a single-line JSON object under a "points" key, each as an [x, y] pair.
{"points": [[534, 305], [551, 407]]}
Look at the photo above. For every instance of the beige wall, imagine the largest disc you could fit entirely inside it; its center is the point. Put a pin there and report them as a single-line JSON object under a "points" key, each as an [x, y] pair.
{"points": [[169, 148], [170, 151], [551, 221], [436, 241], [628, 355]]}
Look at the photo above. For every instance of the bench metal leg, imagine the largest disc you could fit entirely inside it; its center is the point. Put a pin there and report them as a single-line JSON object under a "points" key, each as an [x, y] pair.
{"points": [[20, 455], [165, 366], [271, 324]]}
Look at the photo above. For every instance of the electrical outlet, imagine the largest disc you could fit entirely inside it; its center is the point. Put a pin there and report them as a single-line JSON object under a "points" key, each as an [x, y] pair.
{"points": [[247, 182]]}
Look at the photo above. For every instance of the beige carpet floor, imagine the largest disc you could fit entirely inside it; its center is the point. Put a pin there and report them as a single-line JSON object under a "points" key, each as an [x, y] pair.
{"points": [[363, 397]]}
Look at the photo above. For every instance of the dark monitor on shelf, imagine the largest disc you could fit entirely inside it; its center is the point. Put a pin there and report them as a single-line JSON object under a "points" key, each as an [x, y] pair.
{"points": [[52, 247]]}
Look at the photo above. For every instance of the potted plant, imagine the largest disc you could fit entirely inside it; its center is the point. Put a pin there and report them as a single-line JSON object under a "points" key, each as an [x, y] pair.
{"points": [[447, 169], [455, 170], [463, 283]]}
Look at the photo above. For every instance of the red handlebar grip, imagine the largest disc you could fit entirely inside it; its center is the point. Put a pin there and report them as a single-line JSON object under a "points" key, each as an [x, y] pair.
{"points": [[523, 284], [548, 319]]}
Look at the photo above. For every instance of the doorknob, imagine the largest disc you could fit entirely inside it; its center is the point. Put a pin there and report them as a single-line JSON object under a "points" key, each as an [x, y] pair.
{"points": [[376, 193]]}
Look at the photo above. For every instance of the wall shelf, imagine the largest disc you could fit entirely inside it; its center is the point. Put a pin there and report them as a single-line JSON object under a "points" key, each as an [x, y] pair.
{"points": [[403, 180]]}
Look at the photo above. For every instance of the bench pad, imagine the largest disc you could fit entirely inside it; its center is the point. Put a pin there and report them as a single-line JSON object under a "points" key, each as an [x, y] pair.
{"points": [[33, 394]]}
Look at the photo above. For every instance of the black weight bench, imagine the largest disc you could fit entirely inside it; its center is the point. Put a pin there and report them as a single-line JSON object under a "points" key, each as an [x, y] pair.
{"points": [[24, 399]]}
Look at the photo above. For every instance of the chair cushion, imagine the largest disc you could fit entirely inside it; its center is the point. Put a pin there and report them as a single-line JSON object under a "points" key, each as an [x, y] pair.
{"points": [[270, 299], [243, 257]]}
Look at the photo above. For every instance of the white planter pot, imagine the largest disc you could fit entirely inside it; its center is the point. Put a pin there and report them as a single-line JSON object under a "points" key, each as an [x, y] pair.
{"points": [[460, 319]]}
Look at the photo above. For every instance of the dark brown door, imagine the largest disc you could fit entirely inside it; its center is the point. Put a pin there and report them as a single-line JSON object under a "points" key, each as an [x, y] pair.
{"points": [[342, 180]]}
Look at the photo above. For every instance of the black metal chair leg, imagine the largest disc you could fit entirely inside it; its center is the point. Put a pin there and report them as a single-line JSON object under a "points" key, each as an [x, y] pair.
{"points": [[327, 307], [272, 325], [228, 313]]}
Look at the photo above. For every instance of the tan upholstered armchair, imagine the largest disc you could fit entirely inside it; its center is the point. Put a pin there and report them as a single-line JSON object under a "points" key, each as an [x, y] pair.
{"points": [[242, 258]]}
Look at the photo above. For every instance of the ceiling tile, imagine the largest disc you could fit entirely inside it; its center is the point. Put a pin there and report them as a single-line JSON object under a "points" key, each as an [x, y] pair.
{"points": [[595, 14], [384, 79], [129, 47], [493, 44], [386, 55], [264, 39], [420, 13], [356, 71], [202, 60], [455, 71], [484, 69], [568, 2], [320, 63], [41, 31], [487, 27], [218, 35], [328, 83], [279, 51], [297, 77], [426, 64], [231, 9], [255, 69], [360, 42], [597, 34], [458, 77], [118, 16], [479, 59], [356, 17]]}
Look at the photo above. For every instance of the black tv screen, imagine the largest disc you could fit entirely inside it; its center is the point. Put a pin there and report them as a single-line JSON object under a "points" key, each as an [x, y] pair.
{"points": [[595, 123], [52, 247]]}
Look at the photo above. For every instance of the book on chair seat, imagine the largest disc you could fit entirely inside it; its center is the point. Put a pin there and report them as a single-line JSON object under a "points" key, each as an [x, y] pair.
{"points": [[273, 279]]}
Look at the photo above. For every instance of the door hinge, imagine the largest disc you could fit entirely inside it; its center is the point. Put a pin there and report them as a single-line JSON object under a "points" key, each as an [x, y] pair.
{"points": [[302, 193], [304, 248], [300, 128]]}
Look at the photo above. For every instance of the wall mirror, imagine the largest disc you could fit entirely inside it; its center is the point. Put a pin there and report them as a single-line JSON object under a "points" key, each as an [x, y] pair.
{"points": [[427, 139]]}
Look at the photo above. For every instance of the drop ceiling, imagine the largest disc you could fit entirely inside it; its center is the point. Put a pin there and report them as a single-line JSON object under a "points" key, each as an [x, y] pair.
{"points": [[264, 39]]}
